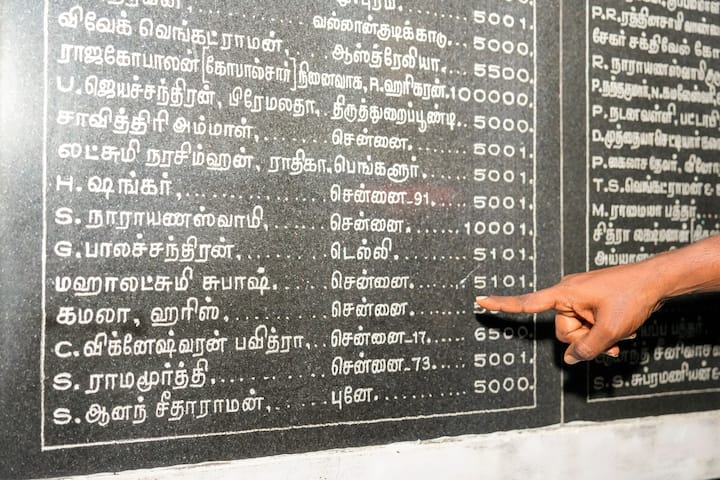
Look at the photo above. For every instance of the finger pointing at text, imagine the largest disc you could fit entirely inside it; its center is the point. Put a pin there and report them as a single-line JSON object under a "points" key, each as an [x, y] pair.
{"points": [[593, 311]]}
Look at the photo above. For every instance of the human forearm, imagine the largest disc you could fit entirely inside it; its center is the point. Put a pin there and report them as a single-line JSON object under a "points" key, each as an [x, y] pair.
{"points": [[692, 269]]}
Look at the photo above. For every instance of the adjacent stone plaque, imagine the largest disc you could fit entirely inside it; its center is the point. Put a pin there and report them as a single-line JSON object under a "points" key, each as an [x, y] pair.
{"points": [[650, 183]]}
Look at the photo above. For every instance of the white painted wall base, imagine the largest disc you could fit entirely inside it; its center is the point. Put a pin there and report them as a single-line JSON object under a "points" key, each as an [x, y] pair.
{"points": [[671, 446]]}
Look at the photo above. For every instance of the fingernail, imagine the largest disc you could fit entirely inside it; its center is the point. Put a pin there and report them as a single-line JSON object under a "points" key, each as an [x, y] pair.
{"points": [[478, 299], [629, 337], [570, 359], [610, 353]]}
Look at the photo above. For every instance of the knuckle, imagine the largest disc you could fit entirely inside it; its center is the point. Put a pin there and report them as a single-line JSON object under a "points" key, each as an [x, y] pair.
{"points": [[524, 301], [565, 294]]}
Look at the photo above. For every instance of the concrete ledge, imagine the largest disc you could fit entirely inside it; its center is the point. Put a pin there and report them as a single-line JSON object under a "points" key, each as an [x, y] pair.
{"points": [[671, 446]]}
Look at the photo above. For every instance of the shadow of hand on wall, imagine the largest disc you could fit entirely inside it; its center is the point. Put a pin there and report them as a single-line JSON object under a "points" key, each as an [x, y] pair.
{"points": [[504, 332], [676, 349]]}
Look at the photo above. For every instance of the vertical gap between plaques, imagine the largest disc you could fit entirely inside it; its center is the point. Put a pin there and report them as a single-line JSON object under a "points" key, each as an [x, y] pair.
{"points": [[44, 226], [587, 138], [561, 86], [587, 164], [535, 187]]}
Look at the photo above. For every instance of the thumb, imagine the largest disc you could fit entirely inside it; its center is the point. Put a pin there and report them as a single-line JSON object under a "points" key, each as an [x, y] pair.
{"points": [[529, 303], [596, 341]]}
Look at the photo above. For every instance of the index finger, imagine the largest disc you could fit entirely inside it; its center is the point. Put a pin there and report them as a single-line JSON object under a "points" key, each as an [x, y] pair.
{"points": [[535, 302]]}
